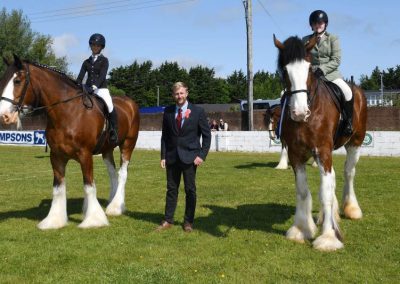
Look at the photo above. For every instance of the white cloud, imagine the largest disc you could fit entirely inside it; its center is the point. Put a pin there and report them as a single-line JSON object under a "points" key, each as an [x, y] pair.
{"points": [[63, 43], [395, 42]]}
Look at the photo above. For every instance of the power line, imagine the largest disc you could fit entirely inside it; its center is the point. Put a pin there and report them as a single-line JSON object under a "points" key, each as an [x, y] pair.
{"points": [[272, 18], [102, 11], [77, 7], [88, 9]]}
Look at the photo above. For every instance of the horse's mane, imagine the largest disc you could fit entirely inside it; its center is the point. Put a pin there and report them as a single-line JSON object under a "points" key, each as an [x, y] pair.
{"points": [[63, 76], [294, 51]]}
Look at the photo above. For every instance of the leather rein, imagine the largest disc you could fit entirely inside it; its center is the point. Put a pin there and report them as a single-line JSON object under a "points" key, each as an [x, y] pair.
{"points": [[29, 109]]}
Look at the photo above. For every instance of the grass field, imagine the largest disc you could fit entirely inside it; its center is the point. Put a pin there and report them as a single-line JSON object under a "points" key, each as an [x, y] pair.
{"points": [[244, 209]]}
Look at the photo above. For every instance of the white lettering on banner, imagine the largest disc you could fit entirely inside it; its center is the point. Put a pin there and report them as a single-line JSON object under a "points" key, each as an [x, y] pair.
{"points": [[36, 137]]}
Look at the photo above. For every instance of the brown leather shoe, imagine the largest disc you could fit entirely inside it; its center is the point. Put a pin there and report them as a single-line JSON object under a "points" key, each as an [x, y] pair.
{"points": [[164, 226], [188, 227]]}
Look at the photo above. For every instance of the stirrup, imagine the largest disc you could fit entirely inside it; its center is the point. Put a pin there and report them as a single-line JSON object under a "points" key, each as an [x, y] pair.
{"points": [[113, 136], [348, 129]]}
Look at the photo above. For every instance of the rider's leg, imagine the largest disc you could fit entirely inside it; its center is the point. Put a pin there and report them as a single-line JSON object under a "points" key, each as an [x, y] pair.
{"points": [[105, 95], [348, 105]]}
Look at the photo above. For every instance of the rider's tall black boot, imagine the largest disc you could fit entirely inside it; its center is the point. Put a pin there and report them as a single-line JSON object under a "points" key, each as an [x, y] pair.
{"points": [[348, 110], [113, 127]]}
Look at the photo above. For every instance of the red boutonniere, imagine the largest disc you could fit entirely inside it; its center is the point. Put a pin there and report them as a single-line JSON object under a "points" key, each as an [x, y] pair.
{"points": [[187, 113]]}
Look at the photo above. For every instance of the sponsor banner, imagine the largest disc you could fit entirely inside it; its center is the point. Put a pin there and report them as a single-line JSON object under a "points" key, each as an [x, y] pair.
{"points": [[368, 140], [35, 138]]}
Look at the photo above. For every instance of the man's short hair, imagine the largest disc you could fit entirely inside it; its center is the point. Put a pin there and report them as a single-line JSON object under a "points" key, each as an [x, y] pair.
{"points": [[178, 85]]}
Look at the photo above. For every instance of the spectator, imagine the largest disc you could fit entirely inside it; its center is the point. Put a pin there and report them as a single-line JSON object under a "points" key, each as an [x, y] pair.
{"points": [[223, 126], [214, 125]]}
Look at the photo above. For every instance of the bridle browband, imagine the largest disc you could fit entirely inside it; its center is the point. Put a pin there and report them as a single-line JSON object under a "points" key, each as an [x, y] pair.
{"points": [[19, 105]]}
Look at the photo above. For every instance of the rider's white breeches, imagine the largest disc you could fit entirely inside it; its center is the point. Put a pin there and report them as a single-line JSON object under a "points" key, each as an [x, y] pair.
{"points": [[104, 93], [344, 87]]}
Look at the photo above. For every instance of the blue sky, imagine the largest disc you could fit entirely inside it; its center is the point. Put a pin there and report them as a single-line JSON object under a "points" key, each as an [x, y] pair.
{"points": [[212, 32]]}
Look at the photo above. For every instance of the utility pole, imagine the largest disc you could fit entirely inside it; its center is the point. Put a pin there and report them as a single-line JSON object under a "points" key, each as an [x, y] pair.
{"points": [[249, 28], [381, 88]]}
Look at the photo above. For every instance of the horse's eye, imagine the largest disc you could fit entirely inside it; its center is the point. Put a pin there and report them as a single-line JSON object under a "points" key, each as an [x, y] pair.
{"points": [[17, 81]]}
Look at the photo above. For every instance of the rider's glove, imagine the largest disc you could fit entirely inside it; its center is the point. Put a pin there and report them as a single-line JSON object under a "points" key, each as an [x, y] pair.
{"points": [[318, 73]]}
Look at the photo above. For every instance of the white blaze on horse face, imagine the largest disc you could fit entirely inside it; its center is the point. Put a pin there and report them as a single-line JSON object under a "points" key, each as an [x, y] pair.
{"points": [[298, 74], [6, 108]]}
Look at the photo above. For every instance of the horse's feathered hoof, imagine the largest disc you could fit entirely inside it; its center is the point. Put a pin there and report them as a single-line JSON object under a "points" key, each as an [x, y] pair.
{"points": [[352, 211], [94, 217], [114, 209], [294, 234], [49, 223], [328, 242], [94, 222]]}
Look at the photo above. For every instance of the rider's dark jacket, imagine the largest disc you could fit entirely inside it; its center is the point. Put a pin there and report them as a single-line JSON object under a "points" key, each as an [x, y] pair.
{"points": [[97, 71]]}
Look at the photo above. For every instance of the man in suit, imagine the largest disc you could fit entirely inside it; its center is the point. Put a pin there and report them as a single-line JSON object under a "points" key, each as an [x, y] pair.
{"points": [[181, 153]]}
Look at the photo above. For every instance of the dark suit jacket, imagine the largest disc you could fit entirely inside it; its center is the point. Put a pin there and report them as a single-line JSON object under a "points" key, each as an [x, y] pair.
{"points": [[185, 144], [97, 72]]}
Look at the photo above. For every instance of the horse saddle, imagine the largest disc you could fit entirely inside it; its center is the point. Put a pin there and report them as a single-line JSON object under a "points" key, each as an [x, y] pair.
{"points": [[339, 100], [89, 99]]}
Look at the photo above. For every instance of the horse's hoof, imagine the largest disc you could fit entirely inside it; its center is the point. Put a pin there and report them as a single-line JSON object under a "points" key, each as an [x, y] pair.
{"points": [[94, 222], [282, 166], [52, 223], [278, 167], [352, 211], [294, 234], [115, 210], [327, 242]]}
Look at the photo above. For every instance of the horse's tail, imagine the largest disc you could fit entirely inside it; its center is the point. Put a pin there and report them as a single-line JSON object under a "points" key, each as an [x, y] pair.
{"points": [[335, 220]]}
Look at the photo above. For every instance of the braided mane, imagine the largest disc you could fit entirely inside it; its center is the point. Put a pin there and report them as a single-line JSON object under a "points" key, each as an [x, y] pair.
{"points": [[62, 75]]}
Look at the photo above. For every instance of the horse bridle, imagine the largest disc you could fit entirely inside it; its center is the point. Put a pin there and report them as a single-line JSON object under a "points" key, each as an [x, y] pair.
{"points": [[19, 105], [310, 98]]}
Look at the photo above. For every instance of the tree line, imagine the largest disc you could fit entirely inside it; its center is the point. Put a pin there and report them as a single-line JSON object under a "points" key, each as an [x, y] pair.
{"points": [[390, 79], [147, 84], [16, 36]]}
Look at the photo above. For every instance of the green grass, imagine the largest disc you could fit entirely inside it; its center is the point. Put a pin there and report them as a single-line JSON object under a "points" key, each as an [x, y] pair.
{"points": [[244, 209]]}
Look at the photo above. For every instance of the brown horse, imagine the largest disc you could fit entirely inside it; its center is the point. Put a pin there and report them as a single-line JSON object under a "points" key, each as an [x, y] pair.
{"points": [[309, 128], [74, 127], [272, 119]]}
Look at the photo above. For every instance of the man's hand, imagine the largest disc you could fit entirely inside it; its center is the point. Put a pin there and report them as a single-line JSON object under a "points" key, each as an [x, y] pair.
{"points": [[198, 161], [162, 163]]}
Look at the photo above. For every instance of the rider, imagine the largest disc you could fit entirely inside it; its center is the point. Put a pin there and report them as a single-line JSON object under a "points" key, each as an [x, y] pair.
{"points": [[97, 66], [326, 55]]}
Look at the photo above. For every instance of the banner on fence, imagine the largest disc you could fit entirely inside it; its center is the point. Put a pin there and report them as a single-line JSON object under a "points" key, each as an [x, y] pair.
{"points": [[35, 138]]}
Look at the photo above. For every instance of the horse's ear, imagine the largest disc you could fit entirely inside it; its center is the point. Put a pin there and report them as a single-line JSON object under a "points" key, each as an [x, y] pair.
{"points": [[17, 62], [278, 44], [310, 43]]}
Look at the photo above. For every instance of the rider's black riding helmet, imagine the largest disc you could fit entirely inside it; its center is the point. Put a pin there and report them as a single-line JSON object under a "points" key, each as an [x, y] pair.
{"points": [[97, 39], [318, 16]]}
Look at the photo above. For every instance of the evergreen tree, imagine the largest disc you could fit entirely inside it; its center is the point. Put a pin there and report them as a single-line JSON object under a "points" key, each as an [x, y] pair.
{"points": [[16, 36], [204, 88], [237, 83]]}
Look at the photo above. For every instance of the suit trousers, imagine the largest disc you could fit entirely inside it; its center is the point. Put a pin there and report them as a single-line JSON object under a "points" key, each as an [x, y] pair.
{"points": [[174, 173]]}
